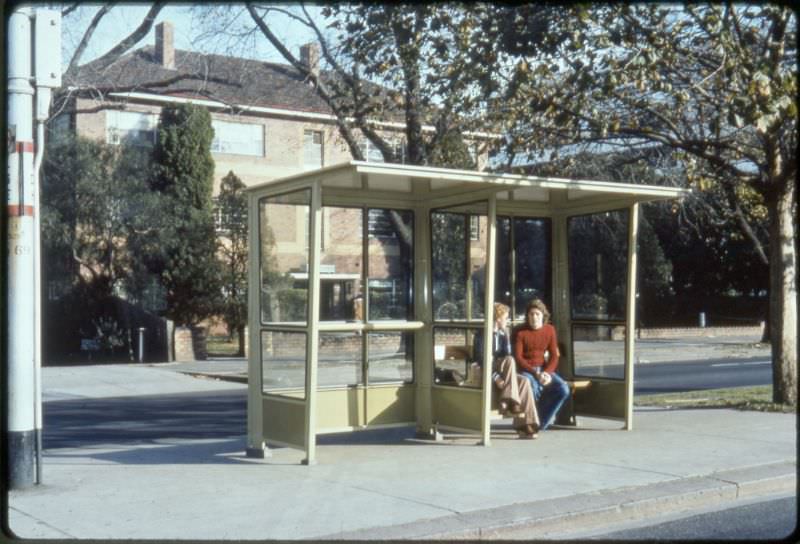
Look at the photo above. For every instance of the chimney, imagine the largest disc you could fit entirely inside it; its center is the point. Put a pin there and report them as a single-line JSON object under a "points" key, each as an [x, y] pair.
{"points": [[309, 55], [165, 49]]}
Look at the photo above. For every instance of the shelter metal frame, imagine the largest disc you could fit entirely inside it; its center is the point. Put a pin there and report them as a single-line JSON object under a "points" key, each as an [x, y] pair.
{"points": [[278, 418]]}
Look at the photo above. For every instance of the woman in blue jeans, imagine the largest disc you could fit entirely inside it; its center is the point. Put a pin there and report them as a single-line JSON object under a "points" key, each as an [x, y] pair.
{"points": [[535, 339]]}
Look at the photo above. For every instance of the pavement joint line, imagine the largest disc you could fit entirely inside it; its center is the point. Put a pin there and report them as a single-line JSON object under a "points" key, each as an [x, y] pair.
{"points": [[406, 499], [635, 469], [41, 522], [602, 507]]}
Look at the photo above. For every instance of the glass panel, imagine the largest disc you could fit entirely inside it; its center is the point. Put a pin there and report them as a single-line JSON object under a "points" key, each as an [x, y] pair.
{"points": [[339, 359], [284, 224], [478, 250], [391, 254], [453, 358], [532, 270], [391, 357], [599, 350], [238, 138], [341, 263], [502, 277], [312, 149], [449, 262], [598, 257], [283, 360]]}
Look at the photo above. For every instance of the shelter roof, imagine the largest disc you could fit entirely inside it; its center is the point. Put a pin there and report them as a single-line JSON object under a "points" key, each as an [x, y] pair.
{"points": [[424, 183]]}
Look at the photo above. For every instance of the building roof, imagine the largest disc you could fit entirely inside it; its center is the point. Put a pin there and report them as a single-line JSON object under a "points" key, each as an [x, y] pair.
{"points": [[230, 80]]}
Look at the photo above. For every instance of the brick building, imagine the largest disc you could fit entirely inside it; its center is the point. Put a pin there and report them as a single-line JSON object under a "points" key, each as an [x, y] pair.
{"points": [[268, 122]]}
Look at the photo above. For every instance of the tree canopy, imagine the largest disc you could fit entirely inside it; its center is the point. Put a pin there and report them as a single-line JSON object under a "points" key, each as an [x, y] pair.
{"points": [[183, 174]]}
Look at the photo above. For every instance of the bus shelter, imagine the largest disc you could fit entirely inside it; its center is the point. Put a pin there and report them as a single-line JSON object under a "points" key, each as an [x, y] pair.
{"points": [[368, 283]]}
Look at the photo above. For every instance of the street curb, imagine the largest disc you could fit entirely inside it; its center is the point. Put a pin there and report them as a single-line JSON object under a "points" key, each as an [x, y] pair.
{"points": [[549, 518]]}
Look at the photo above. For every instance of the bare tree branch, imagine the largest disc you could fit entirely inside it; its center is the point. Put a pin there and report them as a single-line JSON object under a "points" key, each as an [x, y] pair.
{"points": [[87, 36], [133, 38]]}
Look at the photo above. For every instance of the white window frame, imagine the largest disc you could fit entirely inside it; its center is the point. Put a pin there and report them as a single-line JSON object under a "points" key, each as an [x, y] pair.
{"points": [[310, 160], [235, 138], [373, 154], [135, 127]]}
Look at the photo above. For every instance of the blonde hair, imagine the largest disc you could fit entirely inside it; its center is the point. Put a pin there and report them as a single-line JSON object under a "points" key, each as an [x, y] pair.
{"points": [[500, 310]]}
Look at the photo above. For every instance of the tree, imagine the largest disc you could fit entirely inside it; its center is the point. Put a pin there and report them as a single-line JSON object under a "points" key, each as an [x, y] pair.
{"points": [[232, 255], [92, 195], [714, 83], [184, 259], [385, 62]]}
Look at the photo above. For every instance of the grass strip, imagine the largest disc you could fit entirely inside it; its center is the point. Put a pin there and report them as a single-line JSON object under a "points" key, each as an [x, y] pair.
{"points": [[757, 398]]}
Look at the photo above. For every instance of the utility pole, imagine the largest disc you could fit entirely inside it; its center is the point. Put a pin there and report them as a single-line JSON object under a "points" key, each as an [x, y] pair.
{"points": [[34, 69]]}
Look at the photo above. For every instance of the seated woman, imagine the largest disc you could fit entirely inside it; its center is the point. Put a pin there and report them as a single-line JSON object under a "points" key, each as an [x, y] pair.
{"points": [[532, 341], [516, 395]]}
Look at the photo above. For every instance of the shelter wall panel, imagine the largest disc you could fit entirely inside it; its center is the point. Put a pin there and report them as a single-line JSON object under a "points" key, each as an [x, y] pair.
{"points": [[602, 399], [457, 407], [388, 405], [284, 421], [340, 408]]}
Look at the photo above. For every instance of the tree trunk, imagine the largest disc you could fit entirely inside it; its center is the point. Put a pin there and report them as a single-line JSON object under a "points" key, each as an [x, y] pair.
{"points": [[783, 293], [240, 334]]}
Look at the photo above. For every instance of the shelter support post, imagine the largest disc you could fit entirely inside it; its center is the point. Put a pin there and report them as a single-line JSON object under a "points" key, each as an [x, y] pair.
{"points": [[256, 446], [630, 314], [488, 328], [423, 346], [312, 338]]}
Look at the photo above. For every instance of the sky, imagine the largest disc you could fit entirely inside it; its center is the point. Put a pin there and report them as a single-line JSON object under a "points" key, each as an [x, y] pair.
{"points": [[122, 20]]}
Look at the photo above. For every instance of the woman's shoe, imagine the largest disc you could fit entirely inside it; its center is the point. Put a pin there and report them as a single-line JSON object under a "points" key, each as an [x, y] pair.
{"points": [[528, 432]]}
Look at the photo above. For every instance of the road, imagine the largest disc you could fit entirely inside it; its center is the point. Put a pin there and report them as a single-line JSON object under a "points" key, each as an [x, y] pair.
{"points": [[118, 420], [706, 374], [220, 414], [761, 521]]}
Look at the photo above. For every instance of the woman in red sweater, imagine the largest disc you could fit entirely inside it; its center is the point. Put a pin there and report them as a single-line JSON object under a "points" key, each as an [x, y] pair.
{"points": [[535, 339]]}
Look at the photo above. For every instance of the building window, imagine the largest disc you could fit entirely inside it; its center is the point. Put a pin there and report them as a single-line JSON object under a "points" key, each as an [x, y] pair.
{"points": [[238, 138], [312, 149], [373, 154], [131, 127], [474, 228], [379, 224]]}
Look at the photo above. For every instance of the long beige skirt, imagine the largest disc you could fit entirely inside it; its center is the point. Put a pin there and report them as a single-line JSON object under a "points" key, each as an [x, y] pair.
{"points": [[516, 390]]}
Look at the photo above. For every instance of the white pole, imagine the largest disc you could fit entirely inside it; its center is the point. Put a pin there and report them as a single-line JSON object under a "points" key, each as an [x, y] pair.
{"points": [[20, 208]]}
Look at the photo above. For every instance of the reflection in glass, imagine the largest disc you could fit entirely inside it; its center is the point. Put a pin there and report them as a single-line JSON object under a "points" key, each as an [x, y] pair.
{"points": [[390, 253], [453, 358], [599, 350], [283, 360], [478, 251], [284, 229], [391, 357], [448, 231], [502, 278], [339, 359], [532, 271], [341, 263], [598, 253]]}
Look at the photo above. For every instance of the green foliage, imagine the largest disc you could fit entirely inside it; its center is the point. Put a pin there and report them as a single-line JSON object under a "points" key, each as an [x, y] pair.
{"points": [[232, 254], [93, 196], [451, 152], [423, 58], [184, 257]]}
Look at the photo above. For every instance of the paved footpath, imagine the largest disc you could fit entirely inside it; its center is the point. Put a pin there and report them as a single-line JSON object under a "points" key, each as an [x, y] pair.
{"points": [[383, 485]]}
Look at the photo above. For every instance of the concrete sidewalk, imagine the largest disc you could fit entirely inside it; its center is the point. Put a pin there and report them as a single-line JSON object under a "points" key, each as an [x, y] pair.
{"points": [[390, 485]]}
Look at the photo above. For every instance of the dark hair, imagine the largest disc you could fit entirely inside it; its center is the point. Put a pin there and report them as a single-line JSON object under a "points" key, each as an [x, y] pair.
{"points": [[539, 305]]}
